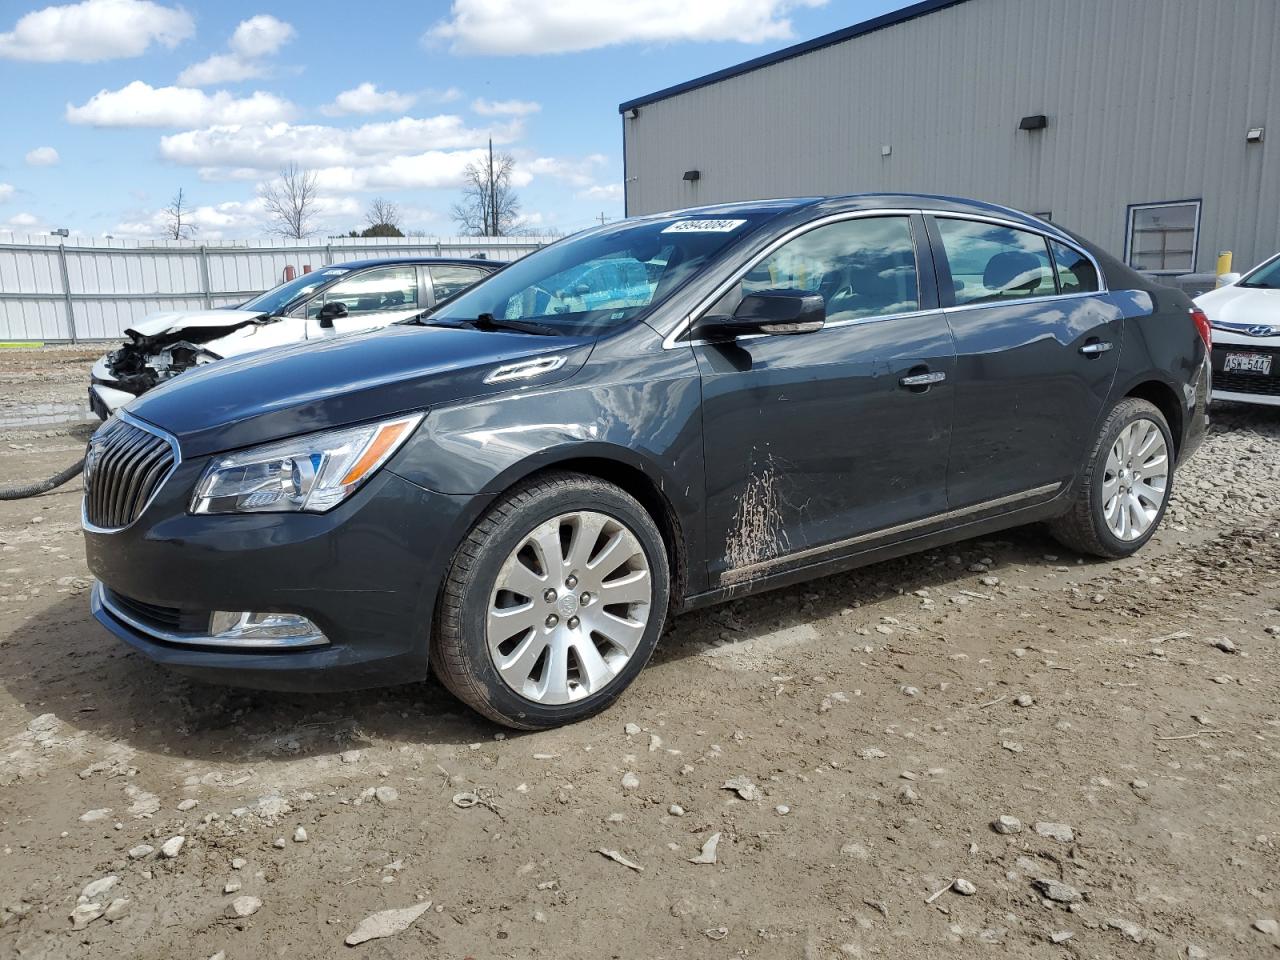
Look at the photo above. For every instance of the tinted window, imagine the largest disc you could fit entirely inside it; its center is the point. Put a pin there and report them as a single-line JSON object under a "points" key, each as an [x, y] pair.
{"points": [[605, 277], [990, 263], [1076, 273], [386, 288], [862, 268], [448, 279]]}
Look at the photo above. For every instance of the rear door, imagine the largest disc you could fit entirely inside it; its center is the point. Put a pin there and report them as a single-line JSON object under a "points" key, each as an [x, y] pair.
{"points": [[1037, 346], [814, 441], [450, 279]]}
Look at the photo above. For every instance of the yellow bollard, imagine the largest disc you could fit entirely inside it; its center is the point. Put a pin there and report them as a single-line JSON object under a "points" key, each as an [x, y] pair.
{"points": [[1224, 262]]}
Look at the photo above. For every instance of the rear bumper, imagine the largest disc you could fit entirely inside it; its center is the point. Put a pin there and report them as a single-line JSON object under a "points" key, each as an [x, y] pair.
{"points": [[105, 395], [366, 574]]}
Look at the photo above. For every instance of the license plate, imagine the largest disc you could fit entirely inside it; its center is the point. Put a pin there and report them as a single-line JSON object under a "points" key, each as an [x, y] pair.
{"points": [[1259, 363]]}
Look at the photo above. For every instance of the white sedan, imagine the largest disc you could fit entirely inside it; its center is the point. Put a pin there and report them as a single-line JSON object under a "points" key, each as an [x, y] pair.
{"points": [[343, 298], [1245, 315]]}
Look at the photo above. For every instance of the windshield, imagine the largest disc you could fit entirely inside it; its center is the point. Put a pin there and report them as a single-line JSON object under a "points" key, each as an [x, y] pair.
{"points": [[277, 298], [1267, 276], [602, 279]]}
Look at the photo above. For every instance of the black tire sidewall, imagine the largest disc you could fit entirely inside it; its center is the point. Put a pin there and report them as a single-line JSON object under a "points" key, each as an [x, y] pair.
{"points": [[1137, 410], [591, 495]]}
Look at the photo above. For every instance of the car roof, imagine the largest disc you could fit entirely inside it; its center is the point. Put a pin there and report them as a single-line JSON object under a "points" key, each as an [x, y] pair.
{"points": [[386, 261]]}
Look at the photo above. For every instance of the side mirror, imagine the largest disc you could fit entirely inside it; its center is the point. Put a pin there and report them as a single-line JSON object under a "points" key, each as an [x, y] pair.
{"points": [[331, 312], [1227, 279], [772, 312]]}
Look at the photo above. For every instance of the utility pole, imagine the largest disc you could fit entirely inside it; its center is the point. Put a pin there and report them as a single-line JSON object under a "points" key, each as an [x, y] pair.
{"points": [[493, 196], [601, 218]]}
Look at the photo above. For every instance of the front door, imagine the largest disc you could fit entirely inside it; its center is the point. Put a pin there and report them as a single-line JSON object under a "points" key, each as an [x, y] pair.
{"points": [[815, 439], [1037, 347], [373, 298]]}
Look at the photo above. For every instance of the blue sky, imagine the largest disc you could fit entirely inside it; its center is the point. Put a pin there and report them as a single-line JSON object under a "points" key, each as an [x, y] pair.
{"points": [[111, 106]]}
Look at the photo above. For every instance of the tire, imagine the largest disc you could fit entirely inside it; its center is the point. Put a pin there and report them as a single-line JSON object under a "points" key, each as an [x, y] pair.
{"points": [[556, 516], [1087, 527]]}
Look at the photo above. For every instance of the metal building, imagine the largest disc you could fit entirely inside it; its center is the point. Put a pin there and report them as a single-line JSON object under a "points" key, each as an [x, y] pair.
{"points": [[1142, 124]]}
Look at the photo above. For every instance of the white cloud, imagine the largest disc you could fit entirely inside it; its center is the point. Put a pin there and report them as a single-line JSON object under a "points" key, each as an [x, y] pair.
{"points": [[515, 108], [141, 105], [261, 35], [367, 98], [43, 157], [223, 151], [6, 191], [560, 26], [95, 30], [577, 173], [610, 192], [253, 39], [23, 220], [236, 219], [447, 95]]}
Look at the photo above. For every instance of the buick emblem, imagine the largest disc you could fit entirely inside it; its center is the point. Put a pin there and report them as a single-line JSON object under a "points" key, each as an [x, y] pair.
{"points": [[1260, 330]]}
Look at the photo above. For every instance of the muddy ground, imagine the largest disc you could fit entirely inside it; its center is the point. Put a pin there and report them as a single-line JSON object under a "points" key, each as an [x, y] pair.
{"points": [[884, 719]]}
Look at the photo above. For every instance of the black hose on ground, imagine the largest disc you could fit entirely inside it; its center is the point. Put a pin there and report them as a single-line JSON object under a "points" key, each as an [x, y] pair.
{"points": [[44, 486]]}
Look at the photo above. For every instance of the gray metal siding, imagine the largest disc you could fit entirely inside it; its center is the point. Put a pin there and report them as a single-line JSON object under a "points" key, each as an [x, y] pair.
{"points": [[1147, 100]]}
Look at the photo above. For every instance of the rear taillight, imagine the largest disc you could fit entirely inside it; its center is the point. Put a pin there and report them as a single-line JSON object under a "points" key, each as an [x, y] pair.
{"points": [[1203, 326]]}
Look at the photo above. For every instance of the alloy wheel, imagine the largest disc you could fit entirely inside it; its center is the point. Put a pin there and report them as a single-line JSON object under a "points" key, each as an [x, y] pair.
{"points": [[569, 607], [1136, 480]]}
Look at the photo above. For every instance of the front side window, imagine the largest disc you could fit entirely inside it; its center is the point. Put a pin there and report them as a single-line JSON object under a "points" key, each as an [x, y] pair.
{"points": [[864, 267], [1162, 237], [1076, 273], [604, 278], [370, 291], [449, 279], [990, 263]]}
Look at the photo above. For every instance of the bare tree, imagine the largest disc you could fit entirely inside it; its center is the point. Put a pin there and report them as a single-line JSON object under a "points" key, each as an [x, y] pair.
{"points": [[489, 206], [291, 202], [175, 216], [383, 213]]}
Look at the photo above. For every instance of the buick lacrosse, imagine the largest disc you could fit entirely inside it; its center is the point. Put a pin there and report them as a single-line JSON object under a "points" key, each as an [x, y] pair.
{"points": [[516, 489]]}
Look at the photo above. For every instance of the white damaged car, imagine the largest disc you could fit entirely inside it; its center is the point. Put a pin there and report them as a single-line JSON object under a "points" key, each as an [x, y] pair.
{"points": [[343, 298], [1245, 315]]}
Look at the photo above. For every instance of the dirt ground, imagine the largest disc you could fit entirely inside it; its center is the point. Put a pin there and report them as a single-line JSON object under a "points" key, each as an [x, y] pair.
{"points": [[878, 724]]}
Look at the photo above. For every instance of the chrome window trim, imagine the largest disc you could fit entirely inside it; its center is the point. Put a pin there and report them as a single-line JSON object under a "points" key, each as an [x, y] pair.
{"points": [[672, 339], [155, 431], [737, 574], [100, 599]]}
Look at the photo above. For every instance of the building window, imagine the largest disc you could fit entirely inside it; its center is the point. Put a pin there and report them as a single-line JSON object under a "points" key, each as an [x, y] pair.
{"points": [[1162, 237]]}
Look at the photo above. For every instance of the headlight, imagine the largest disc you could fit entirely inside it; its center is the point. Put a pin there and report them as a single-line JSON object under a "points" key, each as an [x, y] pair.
{"points": [[307, 474]]}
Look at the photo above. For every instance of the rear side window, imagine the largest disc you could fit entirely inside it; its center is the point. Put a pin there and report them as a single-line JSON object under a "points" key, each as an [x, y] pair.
{"points": [[448, 279], [990, 263], [1076, 273], [865, 267]]}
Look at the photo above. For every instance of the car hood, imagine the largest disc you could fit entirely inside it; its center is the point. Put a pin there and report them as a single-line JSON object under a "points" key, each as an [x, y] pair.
{"points": [[1241, 307], [175, 321], [311, 386]]}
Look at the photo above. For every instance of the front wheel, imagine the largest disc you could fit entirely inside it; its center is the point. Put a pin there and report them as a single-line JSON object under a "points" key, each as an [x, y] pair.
{"points": [[553, 603], [1122, 496]]}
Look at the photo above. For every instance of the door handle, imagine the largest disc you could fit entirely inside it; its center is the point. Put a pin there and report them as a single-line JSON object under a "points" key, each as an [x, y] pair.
{"points": [[1096, 348], [923, 379]]}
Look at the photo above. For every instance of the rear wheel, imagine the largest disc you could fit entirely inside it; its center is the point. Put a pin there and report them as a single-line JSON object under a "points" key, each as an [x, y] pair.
{"points": [[553, 604], [1122, 496]]}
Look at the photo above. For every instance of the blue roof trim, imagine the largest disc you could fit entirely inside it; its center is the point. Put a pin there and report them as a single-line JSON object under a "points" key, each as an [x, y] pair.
{"points": [[911, 12]]}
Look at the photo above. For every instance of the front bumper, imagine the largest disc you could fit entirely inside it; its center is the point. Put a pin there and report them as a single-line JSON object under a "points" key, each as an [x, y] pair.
{"points": [[366, 574], [1245, 387]]}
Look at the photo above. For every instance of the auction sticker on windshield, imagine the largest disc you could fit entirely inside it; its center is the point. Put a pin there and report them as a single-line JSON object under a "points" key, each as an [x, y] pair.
{"points": [[704, 226]]}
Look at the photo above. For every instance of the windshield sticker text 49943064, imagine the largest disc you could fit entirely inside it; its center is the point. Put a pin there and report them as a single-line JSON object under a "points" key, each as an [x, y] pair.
{"points": [[704, 226]]}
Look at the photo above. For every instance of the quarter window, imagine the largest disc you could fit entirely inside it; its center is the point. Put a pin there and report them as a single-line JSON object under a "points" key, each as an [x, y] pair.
{"points": [[1162, 237], [865, 267], [990, 263], [386, 288], [1076, 273], [448, 279]]}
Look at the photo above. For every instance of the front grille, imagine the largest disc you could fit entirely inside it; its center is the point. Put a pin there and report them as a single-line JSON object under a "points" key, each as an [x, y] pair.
{"points": [[124, 467], [1247, 383]]}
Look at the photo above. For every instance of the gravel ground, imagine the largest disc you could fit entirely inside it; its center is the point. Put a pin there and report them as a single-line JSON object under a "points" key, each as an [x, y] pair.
{"points": [[995, 749]]}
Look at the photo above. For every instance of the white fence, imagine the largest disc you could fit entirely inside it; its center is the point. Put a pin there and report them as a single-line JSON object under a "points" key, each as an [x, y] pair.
{"points": [[92, 289]]}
